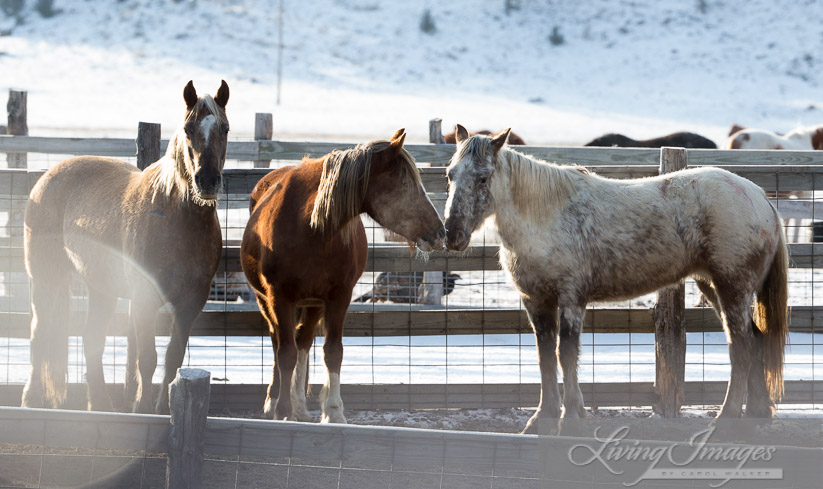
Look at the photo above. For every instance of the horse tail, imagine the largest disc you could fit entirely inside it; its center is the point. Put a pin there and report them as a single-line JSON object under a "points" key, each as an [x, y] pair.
{"points": [[771, 317]]}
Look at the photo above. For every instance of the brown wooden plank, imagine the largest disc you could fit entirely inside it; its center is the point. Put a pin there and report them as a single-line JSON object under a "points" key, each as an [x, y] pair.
{"points": [[415, 322], [245, 397]]}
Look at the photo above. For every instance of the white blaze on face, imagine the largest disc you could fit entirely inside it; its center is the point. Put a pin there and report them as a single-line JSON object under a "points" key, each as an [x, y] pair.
{"points": [[206, 125]]}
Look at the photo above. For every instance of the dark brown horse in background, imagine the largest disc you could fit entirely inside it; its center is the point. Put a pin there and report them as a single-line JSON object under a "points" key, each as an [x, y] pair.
{"points": [[305, 247], [514, 139], [676, 140], [152, 237]]}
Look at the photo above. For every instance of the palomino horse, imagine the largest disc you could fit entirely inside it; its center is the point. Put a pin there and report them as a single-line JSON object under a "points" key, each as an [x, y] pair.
{"points": [[570, 237], [677, 139], [305, 247], [152, 237]]}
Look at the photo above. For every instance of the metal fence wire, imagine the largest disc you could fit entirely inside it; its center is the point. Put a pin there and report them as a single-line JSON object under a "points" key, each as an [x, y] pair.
{"points": [[402, 351]]}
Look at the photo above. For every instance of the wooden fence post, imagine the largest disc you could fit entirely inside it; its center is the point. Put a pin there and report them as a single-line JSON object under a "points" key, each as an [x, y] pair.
{"points": [[436, 131], [189, 406], [431, 290], [17, 125], [670, 324], [148, 144], [263, 129]]}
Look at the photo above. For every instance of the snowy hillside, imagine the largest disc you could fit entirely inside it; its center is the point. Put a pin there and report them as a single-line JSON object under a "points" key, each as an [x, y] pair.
{"points": [[359, 69]]}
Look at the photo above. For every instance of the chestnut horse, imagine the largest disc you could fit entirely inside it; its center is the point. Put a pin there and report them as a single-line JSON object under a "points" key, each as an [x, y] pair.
{"points": [[152, 237], [570, 237], [305, 247], [514, 139], [676, 139]]}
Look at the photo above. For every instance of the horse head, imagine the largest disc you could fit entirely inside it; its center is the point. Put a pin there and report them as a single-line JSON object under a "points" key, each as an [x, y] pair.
{"points": [[470, 173], [396, 198], [204, 141]]}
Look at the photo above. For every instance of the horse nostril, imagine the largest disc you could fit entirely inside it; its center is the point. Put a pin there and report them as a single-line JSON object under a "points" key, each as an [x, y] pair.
{"points": [[459, 236]]}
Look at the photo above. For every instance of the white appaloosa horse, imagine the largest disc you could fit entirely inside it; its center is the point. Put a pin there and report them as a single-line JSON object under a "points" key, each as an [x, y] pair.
{"points": [[801, 138], [152, 237], [570, 237]]}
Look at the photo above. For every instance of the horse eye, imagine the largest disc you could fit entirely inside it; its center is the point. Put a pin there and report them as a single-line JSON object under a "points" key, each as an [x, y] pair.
{"points": [[483, 179], [191, 153]]}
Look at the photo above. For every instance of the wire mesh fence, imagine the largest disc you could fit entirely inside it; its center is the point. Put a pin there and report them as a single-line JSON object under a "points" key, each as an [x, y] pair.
{"points": [[476, 334]]}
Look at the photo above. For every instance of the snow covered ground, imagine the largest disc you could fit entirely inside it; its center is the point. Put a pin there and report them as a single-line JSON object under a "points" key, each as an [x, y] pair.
{"points": [[359, 69]]}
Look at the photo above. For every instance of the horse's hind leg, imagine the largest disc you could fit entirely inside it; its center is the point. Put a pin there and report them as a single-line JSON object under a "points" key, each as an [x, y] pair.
{"points": [[101, 311], [49, 339], [305, 337], [738, 324], [331, 400], [285, 355], [273, 390], [543, 317], [759, 403]]}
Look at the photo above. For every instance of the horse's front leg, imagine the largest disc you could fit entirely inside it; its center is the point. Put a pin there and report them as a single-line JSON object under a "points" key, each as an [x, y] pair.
{"points": [[543, 317], [101, 310], [184, 316], [568, 352], [143, 320], [331, 401]]}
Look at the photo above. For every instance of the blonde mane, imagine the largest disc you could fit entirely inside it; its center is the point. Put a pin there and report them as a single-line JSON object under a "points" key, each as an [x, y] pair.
{"points": [[532, 184], [171, 172], [343, 186]]}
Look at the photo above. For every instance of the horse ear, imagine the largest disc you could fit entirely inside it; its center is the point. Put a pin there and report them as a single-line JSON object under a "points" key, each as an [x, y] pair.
{"points": [[190, 95], [397, 140], [460, 133], [222, 97], [398, 133], [500, 139]]}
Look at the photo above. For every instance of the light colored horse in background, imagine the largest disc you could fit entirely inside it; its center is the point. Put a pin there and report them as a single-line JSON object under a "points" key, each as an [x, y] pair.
{"points": [[570, 237], [801, 138], [152, 237]]}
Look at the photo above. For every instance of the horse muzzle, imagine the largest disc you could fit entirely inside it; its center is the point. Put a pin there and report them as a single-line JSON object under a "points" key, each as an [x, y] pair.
{"points": [[457, 240], [428, 243]]}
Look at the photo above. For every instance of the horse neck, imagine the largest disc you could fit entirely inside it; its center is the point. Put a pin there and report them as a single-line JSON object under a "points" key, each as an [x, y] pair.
{"points": [[168, 178], [530, 191], [343, 228]]}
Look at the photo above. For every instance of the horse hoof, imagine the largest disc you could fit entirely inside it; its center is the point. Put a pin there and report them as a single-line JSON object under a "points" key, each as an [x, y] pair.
{"points": [[333, 417], [302, 416], [268, 409]]}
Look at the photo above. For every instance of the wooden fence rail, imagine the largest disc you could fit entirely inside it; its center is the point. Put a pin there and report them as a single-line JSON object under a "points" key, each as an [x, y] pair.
{"points": [[784, 170]]}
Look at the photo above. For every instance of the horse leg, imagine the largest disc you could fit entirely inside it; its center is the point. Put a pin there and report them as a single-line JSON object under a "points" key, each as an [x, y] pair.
{"points": [[274, 386], [130, 384], [285, 355], [183, 320], [709, 294], [101, 311], [331, 401], [759, 403], [568, 352], [738, 325], [143, 317], [543, 317], [305, 337], [49, 340]]}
